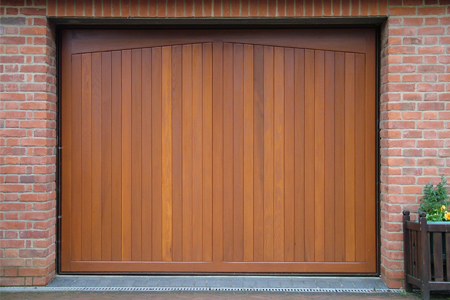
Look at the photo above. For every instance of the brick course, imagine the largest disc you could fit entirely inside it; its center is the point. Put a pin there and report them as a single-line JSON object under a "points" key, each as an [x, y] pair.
{"points": [[414, 111]]}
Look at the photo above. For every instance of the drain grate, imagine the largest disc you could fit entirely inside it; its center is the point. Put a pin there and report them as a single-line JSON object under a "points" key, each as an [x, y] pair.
{"points": [[195, 289]]}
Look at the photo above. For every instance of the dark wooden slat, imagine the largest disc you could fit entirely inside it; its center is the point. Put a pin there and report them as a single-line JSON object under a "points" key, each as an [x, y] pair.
{"points": [[438, 259], [447, 256]]}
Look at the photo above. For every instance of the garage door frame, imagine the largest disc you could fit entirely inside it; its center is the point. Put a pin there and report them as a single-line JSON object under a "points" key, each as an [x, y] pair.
{"points": [[273, 23]]}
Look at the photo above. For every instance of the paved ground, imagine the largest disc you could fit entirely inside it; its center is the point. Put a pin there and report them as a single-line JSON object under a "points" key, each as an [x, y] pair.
{"points": [[221, 282], [207, 295], [212, 287]]}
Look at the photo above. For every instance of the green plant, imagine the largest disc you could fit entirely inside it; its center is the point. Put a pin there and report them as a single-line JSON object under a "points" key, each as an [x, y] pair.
{"points": [[435, 201]]}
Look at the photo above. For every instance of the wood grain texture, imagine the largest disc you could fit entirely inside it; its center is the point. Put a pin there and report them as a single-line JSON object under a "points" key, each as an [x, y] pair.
{"points": [[219, 156]]}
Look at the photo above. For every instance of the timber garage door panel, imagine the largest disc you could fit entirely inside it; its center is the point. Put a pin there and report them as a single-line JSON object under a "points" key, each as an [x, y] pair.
{"points": [[224, 152]]}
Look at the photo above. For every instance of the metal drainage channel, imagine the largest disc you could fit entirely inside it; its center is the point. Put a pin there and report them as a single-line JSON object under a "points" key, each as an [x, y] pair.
{"points": [[195, 289]]}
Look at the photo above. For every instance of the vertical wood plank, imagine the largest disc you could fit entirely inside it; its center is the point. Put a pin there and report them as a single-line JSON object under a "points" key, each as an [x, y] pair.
{"points": [[228, 153], [207, 152], [360, 196], [86, 157], [289, 154], [370, 147], [197, 151], [438, 264], [309, 156], [187, 152], [76, 158], [319, 159], [96, 156], [66, 155], [299, 107], [116, 155], [329, 210], [136, 155], [238, 157], [258, 152], [268, 153], [106, 165], [217, 120], [349, 157], [177, 145], [126, 155], [167, 242], [156, 155], [339, 159], [279, 181], [248, 153], [146, 152]]}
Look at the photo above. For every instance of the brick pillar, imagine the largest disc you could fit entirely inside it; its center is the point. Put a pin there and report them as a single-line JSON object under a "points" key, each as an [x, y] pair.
{"points": [[27, 144], [415, 114]]}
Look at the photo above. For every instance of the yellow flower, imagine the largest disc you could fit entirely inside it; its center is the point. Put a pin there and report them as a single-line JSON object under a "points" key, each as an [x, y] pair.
{"points": [[447, 216], [442, 208]]}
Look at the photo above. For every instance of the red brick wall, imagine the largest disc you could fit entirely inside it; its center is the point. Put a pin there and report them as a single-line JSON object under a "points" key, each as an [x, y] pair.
{"points": [[415, 116], [414, 105]]}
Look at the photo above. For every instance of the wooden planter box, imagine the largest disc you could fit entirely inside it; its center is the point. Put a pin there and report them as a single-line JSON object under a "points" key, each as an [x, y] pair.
{"points": [[426, 265]]}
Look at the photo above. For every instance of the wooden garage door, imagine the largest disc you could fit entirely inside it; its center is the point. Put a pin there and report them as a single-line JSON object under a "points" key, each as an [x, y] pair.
{"points": [[218, 151]]}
